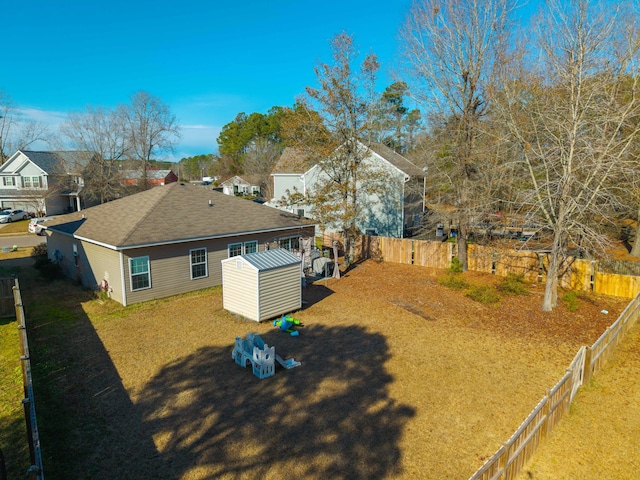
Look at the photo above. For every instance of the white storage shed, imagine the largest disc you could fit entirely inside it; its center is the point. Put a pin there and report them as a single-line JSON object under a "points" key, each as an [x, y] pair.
{"points": [[262, 285]]}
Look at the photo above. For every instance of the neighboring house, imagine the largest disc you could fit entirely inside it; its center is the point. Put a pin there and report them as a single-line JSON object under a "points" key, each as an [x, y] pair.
{"points": [[394, 213], [155, 178], [45, 182], [240, 186], [165, 240]]}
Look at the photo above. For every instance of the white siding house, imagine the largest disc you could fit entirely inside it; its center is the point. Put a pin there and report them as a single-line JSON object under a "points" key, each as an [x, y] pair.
{"points": [[48, 183], [397, 208], [262, 285]]}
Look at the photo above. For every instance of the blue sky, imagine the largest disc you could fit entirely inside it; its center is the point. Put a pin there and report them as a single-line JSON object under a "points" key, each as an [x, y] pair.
{"points": [[208, 60]]}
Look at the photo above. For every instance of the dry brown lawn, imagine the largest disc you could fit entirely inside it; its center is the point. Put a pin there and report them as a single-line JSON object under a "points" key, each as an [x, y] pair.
{"points": [[400, 378]]}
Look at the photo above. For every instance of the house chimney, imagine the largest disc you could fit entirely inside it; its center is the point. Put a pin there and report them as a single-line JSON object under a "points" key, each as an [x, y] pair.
{"points": [[210, 203]]}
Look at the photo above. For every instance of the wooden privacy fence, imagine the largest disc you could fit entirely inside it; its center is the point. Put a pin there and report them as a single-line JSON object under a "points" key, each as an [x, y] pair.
{"points": [[35, 471], [577, 274], [507, 462]]}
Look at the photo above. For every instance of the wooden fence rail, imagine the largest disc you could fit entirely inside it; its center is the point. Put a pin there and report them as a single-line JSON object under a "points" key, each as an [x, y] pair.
{"points": [[508, 461], [577, 274], [35, 472]]}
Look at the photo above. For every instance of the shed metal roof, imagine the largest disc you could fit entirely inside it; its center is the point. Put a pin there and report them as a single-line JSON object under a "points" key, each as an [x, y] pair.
{"points": [[271, 259]]}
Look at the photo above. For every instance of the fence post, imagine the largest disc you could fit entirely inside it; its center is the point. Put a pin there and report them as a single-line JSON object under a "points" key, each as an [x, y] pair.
{"points": [[587, 366]]}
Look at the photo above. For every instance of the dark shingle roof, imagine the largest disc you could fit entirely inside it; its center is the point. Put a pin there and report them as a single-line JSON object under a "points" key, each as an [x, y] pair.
{"points": [[173, 213], [397, 160], [137, 174], [59, 163], [294, 160]]}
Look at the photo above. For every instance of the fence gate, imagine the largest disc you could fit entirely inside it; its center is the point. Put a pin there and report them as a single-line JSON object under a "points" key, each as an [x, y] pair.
{"points": [[7, 303]]}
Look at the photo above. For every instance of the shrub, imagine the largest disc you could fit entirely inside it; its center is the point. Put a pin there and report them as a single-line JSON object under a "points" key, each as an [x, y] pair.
{"points": [[456, 265], [570, 300], [483, 294], [513, 284], [453, 281], [39, 250], [48, 269]]}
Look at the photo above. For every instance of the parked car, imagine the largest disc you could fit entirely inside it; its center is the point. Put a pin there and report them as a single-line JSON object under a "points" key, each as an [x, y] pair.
{"points": [[36, 225], [8, 216]]}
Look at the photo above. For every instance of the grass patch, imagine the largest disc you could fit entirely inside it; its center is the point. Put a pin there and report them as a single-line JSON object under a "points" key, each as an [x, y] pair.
{"points": [[20, 227], [513, 284], [483, 294], [453, 281], [456, 265], [13, 441], [570, 300]]}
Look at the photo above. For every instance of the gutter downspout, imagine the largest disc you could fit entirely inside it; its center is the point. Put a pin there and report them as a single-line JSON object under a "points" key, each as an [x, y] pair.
{"points": [[124, 285]]}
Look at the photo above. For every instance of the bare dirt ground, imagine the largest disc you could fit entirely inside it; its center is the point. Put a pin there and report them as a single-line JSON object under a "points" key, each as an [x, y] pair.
{"points": [[400, 378]]}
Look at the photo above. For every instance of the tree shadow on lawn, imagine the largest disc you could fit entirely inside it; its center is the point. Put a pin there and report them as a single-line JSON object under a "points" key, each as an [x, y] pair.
{"points": [[331, 417], [88, 426], [205, 416]]}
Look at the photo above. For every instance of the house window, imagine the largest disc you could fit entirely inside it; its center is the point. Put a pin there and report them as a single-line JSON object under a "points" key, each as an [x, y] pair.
{"points": [[235, 249], [139, 273], [251, 247], [8, 181], [198, 263], [31, 182], [292, 243]]}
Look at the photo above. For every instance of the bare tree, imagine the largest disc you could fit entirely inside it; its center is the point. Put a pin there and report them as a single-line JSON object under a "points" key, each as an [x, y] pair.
{"points": [[260, 159], [16, 132], [103, 133], [573, 115], [327, 127], [152, 128], [452, 49]]}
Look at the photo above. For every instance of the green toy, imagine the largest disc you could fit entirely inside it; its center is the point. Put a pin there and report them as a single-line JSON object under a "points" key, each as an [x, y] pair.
{"points": [[286, 324]]}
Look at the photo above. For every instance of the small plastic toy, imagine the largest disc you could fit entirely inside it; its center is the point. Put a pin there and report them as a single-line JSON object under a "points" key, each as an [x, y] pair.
{"points": [[286, 324], [262, 358]]}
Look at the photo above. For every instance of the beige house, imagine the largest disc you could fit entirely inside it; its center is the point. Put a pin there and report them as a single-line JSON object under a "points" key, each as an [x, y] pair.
{"points": [[262, 285], [167, 240]]}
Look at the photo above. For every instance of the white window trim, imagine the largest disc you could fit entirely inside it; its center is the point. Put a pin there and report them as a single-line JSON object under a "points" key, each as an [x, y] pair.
{"points": [[252, 242], [289, 239], [131, 273], [206, 263], [234, 245]]}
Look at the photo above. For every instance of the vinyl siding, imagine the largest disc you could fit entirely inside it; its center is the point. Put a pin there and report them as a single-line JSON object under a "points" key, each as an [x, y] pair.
{"points": [[101, 264], [171, 268], [239, 292], [93, 264], [284, 182], [169, 265], [280, 291], [170, 271]]}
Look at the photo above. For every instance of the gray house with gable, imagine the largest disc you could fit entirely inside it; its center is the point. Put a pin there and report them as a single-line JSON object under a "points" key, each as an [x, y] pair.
{"points": [[395, 211], [45, 182], [167, 240]]}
